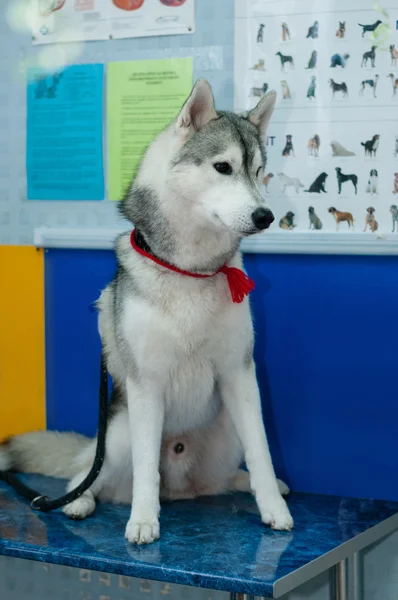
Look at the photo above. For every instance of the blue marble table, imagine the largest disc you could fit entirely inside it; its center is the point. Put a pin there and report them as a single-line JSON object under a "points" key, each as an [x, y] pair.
{"points": [[216, 543]]}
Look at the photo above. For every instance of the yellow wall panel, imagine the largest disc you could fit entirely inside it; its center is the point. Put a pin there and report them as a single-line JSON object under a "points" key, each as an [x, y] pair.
{"points": [[22, 362]]}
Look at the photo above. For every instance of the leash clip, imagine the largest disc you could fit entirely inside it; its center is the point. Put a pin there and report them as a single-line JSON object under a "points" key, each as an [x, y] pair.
{"points": [[33, 504]]}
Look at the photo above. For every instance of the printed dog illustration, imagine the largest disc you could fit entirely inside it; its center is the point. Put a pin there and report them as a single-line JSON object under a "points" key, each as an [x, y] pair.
{"points": [[260, 33], [371, 146], [267, 180], [313, 31], [259, 91], [342, 178], [370, 220], [373, 182], [369, 28], [339, 60], [312, 88], [313, 60], [341, 217], [260, 66], [288, 149], [338, 87], [369, 56], [285, 90], [285, 32], [394, 81], [394, 55], [340, 33], [339, 150], [285, 58], [315, 222], [293, 182], [394, 215], [318, 185], [395, 190], [287, 222], [371, 83], [313, 145]]}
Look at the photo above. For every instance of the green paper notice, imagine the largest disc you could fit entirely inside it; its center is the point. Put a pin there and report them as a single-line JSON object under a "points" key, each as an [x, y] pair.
{"points": [[143, 97]]}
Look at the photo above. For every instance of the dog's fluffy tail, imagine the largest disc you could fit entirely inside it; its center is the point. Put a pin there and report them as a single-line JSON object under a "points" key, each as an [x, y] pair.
{"points": [[45, 452]]}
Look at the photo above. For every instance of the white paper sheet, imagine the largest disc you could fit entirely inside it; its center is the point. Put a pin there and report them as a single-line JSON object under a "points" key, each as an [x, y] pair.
{"points": [[83, 20]]}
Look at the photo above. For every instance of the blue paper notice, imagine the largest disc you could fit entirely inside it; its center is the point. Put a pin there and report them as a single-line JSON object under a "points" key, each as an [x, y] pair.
{"points": [[64, 159]]}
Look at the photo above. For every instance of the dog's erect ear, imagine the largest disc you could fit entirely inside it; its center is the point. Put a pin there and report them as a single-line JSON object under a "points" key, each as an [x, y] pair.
{"points": [[197, 111], [261, 114]]}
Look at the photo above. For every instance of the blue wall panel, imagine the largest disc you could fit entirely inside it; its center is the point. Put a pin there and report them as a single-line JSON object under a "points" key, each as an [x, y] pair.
{"points": [[73, 281], [326, 350]]}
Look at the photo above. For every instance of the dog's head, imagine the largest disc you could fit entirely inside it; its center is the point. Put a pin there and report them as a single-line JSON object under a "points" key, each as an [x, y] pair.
{"points": [[394, 209], [290, 215], [201, 177], [311, 210], [373, 173], [396, 175], [338, 170], [332, 210], [370, 210]]}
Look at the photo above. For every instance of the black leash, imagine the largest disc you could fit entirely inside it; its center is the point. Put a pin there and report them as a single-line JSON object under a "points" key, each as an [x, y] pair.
{"points": [[43, 503]]}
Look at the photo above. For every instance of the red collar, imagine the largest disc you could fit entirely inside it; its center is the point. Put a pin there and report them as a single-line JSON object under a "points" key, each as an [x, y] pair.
{"points": [[240, 285]]}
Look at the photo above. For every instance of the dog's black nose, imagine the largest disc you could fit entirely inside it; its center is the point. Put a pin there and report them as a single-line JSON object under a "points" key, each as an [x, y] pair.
{"points": [[262, 218]]}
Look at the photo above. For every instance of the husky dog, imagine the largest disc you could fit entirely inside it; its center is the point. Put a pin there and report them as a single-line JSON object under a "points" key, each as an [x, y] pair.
{"points": [[186, 408]]}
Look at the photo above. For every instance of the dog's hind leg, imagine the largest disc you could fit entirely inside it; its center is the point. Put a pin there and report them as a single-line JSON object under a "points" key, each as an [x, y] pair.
{"points": [[115, 474], [85, 505], [241, 483]]}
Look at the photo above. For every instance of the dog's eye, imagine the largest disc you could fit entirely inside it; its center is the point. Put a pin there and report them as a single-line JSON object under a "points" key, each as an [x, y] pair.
{"points": [[258, 171], [223, 167]]}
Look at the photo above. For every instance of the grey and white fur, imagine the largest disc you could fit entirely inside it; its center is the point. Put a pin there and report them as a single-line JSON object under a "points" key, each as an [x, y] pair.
{"points": [[186, 408]]}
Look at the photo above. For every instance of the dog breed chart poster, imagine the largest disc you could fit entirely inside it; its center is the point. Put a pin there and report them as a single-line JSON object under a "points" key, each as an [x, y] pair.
{"points": [[333, 140], [64, 152], [81, 20]]}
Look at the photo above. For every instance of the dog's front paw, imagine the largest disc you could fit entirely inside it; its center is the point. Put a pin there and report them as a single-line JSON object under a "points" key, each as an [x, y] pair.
{"points": [[81, 508], [142, 531], [276, 514]]}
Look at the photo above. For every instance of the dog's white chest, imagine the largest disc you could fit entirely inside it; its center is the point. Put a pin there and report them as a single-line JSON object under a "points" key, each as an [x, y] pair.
{"points": [[183, 350]]}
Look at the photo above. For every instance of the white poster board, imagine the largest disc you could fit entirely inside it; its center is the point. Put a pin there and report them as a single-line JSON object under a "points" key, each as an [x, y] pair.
{"points": [[81, 20], [337, 108]]}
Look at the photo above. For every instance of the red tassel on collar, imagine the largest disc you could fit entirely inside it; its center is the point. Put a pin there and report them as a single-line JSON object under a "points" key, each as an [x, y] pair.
{"points": [[240, 285]]}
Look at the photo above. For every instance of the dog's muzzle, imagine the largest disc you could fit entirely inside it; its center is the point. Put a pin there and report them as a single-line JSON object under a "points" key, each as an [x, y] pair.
{"points": [[262, 218]]}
